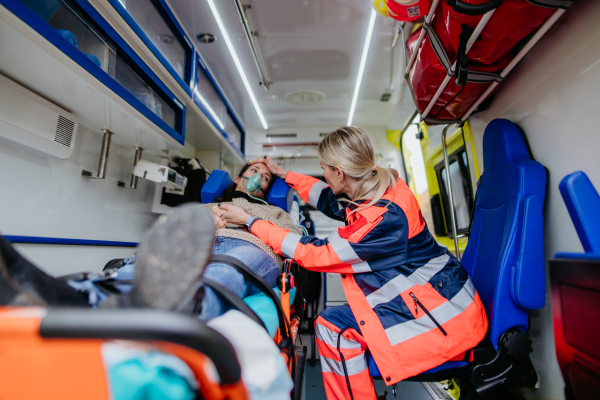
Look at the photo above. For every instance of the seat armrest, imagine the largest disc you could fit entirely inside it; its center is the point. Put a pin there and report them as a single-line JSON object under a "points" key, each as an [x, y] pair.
{"points": [[145, 325], [527, 287]]}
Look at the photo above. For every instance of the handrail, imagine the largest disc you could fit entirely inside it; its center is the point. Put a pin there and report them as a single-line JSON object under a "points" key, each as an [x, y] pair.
{"points": [[450, 195], [261, 70]]}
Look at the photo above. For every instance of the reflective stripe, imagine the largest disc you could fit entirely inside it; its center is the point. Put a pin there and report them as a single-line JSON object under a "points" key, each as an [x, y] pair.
{"points": [[315, 193], [354, 365], [289, 244], [361, 267], [423, 274], [442, 314], [401, 283], [329, 337], [342, 248]]}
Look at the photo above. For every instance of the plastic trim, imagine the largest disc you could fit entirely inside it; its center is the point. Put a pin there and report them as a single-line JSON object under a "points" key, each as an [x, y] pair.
{"points": [[64, 241], [40, 26], [170, 19]]}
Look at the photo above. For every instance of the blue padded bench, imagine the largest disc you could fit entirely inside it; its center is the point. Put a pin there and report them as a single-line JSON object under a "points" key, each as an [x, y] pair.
{"points": [[575, 283], [280, 194], [505, 259]]}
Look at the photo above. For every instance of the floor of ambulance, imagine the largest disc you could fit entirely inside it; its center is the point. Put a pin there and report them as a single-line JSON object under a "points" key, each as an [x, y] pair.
{"points": [[314, 389]]}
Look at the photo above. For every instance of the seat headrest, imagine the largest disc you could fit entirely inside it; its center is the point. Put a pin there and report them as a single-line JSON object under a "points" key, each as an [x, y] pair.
{"points": [[583, 203], [502, 143]]}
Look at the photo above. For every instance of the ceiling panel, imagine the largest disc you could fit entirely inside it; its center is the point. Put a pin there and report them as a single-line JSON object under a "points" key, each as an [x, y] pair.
{"points": [[306, 45]]}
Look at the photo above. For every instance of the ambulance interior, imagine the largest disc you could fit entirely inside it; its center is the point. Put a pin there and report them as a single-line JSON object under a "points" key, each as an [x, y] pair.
{"points": [[97, 97]]}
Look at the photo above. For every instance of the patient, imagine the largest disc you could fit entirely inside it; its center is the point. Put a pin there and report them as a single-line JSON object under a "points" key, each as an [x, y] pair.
{"points": [[230, 240]]}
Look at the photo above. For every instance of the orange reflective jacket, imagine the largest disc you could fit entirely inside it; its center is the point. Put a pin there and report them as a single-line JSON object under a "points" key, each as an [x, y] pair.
{"points": [[415, 303]]}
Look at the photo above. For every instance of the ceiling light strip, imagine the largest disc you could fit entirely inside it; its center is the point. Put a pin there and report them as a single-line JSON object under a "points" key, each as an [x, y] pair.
{"points": [[361, 69], [237, 63]]}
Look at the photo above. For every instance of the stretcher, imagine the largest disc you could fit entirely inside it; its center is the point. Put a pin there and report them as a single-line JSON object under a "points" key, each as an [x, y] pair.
{"points": [[64, 346]]}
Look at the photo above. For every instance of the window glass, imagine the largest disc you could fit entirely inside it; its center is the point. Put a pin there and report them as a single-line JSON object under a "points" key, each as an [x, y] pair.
{"points": [[233, 132], [209, 97], [460, 192], [131, 81], [65, 18], [411, 147], [163, 36], [73, 24]]}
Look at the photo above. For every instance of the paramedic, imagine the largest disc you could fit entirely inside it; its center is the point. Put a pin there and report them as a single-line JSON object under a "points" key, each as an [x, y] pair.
{"points": [[411, 303]]}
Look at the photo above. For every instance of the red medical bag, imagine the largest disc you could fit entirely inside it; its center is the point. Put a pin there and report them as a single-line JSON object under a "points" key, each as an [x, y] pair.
{"points": [[445, 42]]}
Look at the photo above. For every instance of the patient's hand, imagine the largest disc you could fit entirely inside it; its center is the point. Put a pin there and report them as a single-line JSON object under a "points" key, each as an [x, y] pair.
{"points": [[219, 223], [233, 214]]}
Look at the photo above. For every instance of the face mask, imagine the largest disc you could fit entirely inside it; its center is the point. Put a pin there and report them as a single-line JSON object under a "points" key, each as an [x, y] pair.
{"points": [[253, 186]]}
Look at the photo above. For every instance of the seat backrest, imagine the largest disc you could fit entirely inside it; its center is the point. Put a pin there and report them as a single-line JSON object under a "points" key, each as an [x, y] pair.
{"points": [[505, 254], [583, 203], [280, 194]]}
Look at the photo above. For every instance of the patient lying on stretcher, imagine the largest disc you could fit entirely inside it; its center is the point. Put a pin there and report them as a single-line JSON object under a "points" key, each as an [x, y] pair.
{"points": [[230, 240], [167, 266]]}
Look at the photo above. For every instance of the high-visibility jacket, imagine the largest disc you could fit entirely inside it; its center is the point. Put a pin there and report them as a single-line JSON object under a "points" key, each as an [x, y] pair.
{"points": [[415, 303]]}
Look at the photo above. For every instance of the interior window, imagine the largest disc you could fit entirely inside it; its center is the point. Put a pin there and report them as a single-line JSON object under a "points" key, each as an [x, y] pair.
{"points": [[462, 191], [163, 36]]}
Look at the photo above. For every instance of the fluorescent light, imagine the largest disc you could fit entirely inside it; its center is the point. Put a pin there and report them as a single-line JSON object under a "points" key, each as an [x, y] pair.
{"points": [[361, 69], [237, 63], [209, 108]]}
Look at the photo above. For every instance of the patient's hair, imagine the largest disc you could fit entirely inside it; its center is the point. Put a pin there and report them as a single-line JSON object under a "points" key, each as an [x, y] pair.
{"points": [[227, 194], [351, 149]]}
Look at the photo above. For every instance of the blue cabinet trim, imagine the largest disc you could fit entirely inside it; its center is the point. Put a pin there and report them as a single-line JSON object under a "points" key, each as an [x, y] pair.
{"points": [[76, 242]]}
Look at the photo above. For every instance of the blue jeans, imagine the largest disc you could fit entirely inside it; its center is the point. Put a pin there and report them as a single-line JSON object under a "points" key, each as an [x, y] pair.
{"points": [[255, 258], [212, 306]]}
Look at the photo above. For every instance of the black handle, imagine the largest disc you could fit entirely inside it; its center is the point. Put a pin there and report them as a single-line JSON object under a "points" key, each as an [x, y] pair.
{"points": [[462, 62], [145, 325], [473, 9]]}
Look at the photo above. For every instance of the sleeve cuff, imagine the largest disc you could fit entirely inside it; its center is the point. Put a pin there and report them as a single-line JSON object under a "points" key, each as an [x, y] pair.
{"points": [[292, 178]]}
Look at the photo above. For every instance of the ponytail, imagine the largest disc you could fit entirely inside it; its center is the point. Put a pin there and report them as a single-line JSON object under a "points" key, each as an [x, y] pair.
{"points": [[351, 149]]}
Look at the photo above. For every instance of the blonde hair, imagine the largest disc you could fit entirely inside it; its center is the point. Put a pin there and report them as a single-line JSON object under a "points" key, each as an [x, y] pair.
{"points": [[351, 149]]}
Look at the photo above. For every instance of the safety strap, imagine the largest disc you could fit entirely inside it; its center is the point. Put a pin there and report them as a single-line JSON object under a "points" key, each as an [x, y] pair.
{"points": [[552, 3], [438, 48], [260, 283], [233, 299]]}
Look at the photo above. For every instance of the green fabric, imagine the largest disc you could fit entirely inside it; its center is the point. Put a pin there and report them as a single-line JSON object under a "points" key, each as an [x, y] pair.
{"points": [[149, 376], [265, 309]]}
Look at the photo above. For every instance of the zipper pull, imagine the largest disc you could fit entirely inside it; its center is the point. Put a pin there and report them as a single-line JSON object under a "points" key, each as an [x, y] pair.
{"points": [[415, 300]]}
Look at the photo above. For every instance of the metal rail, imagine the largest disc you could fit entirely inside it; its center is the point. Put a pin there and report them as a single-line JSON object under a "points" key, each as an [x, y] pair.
{"points": [[261, 70], [482, 23], [419, 41], [134, 178], [450, 194], [103, 157], [518, 58]]}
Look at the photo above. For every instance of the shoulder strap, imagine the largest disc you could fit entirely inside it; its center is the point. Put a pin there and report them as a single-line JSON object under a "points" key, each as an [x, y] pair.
{"points": [[234, 300]]}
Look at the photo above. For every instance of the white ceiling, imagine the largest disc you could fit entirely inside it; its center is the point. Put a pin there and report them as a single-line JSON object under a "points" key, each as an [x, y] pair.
{"points": [[306, 45]]}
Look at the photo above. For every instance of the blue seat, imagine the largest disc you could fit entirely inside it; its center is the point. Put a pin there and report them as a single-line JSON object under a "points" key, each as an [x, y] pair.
{"points": [[280, 194], [504, 257], [583, 204], [575, 283]]}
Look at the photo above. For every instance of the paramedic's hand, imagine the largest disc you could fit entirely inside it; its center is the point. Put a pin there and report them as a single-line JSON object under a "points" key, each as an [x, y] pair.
{"points": [[233, 214], [272, 165]]}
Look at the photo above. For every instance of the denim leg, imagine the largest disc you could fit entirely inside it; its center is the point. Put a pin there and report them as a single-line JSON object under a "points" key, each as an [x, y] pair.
{"points": [[256, 259]]}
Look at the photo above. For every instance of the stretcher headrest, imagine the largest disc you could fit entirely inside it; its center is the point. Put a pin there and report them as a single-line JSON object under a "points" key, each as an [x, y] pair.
{"points": [[280, 194]]}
